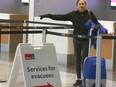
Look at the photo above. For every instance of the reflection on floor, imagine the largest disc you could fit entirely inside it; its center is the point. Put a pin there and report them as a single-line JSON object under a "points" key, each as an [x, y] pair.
{"points": [[67, 74]]}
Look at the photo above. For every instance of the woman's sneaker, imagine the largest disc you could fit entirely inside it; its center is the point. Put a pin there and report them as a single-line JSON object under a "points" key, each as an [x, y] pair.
{"points": [[78, 83]]}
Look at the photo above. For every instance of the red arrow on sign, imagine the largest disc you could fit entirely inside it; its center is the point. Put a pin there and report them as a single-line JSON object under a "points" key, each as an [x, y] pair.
{"points": [[48, 85]]}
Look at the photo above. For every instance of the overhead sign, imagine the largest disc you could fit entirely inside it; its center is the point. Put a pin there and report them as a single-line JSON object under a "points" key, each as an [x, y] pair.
{"points": [[39, 66]]}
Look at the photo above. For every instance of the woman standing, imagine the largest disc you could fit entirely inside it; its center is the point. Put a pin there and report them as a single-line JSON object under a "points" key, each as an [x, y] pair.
{"points": [[78, 18]]}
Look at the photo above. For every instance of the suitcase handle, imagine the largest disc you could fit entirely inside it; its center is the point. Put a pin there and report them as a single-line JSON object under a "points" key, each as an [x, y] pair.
{"points": [[90, 41]]}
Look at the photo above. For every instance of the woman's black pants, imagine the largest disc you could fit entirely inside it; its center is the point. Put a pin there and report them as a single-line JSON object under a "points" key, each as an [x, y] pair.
{"points": [[81, 52]]}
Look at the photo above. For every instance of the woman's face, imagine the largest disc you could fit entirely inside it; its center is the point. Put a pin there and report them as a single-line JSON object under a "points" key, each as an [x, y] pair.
{"points": [[81, 5]]}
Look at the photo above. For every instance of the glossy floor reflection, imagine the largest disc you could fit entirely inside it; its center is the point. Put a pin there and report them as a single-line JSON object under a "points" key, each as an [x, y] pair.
{"points": [[68, 75]]}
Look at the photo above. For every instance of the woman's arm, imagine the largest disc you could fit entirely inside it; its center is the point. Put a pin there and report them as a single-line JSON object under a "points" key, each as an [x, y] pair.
{"points": [[63, 17], [93, 17]]}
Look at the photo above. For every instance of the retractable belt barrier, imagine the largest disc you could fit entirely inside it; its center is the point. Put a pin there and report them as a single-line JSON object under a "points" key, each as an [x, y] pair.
{"points": [[80, 36], [35, 22], [39, 30], [34, 27], [59, 26]]}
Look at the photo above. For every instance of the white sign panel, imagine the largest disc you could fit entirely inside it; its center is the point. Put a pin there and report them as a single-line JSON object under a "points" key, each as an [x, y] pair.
{"points": [[39, 66]]}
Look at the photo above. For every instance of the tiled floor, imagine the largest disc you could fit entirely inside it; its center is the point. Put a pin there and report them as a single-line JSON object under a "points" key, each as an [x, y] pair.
{"points": [[67, 74], [68, 77]]}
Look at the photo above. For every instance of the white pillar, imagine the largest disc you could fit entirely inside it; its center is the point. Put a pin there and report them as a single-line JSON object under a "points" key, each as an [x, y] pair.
{"points": [[31, 18]]}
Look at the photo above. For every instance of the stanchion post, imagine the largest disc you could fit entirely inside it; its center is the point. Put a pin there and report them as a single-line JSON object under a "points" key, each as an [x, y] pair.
{"points": [[24, 35], [98, 62], [0, 51], [0, 41], [44, 36]]}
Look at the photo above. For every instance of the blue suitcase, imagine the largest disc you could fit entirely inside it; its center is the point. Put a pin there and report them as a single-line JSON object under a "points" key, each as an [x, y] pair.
{"points": [[89, 72]]}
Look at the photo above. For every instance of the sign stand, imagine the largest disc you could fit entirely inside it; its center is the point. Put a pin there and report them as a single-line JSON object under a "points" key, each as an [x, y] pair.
{"points": [[39, 66]]}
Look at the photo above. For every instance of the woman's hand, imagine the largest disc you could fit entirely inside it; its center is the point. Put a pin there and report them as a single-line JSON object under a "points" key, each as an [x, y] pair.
{"points": [[45, 16], [95, 30]]}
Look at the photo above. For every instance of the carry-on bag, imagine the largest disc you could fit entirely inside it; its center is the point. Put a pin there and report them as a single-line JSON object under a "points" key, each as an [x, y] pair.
{"points": [[89, 70]]}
